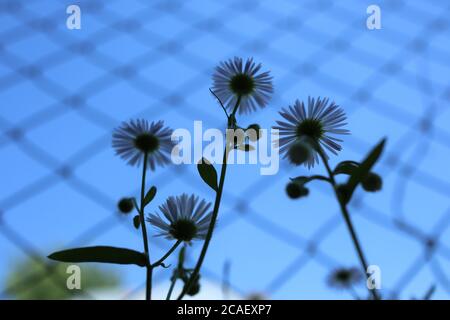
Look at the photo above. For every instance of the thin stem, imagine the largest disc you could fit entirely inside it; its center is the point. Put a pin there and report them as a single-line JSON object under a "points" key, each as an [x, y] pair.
{"points": [[160, 261], [311, 178], [148, 288], [353, 293], [172, 285], [236, 106], [347, 219], [210, 229], [429, 293], [231, 125], [220, 102], [319, 177]]}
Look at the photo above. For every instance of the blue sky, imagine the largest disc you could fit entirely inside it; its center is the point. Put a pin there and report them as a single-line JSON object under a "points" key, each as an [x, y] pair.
{"points": [[154, 60]]}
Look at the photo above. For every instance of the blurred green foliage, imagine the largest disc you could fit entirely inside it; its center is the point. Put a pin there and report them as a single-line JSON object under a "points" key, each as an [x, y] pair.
{"points": [[37, 278]]}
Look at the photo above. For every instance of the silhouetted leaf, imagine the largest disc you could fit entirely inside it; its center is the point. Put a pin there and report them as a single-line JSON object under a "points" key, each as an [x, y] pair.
{"points": [[150, 195], [103, 254], [346, 167], [137, 221], [365, 167], [208, 173]]}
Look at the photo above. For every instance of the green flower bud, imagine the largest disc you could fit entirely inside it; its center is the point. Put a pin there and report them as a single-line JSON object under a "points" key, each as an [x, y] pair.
{"points": [[343, 193], [295, 190], [125, 205], [195, 287], [253, 132], [299, 152], [372, 183]]}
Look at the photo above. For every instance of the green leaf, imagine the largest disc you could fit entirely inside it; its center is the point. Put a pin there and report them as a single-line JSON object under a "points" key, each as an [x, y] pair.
{"points": [[150, 195], [364, 168], [208, 173], [137, 221], [346, 167], [103, 254]]}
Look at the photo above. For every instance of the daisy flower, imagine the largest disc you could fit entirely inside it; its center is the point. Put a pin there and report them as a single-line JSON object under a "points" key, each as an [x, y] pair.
{"points": [[187, 218], [132, 140], [235, 79], [344, 278], [318, 122]]}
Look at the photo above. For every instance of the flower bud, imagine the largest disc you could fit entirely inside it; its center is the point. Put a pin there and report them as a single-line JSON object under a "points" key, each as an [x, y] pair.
{"points": [[195, 287], [125, 205], [299, 152], [372, 183], [343, 193], [295, 190], [253, 132]]}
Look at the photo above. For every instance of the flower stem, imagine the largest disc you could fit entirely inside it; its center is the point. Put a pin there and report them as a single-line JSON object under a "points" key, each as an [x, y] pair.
{"points": [[160, 261], [148, 289], [172, 285], [236, 106], [210, 229], [347, 219], [353, 293], [231, 125]]}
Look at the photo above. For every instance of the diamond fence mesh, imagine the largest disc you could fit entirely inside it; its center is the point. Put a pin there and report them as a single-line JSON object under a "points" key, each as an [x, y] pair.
{"points": [[63, 91]]}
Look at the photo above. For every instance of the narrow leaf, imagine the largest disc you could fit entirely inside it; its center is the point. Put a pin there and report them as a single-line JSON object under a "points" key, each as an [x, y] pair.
{"points": [[346, 167], [150, 195], [208, 173], [137, 221], [103, 254], [365, 167]]}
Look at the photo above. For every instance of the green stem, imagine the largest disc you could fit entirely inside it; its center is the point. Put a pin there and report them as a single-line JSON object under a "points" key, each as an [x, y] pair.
{"points": [[236, 106], [210, 229], [231, 125], [347, 219], [160, 261], [172, 285], [220, 102], [148, 289]]}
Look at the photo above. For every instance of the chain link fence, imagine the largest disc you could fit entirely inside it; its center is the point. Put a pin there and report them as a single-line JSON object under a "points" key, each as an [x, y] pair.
{"points": [[63, 91]]}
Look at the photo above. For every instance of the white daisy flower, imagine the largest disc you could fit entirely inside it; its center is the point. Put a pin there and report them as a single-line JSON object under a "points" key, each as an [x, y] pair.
{"points": [[187, 218], [318, 122], [132, 140], [235, 80]]}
